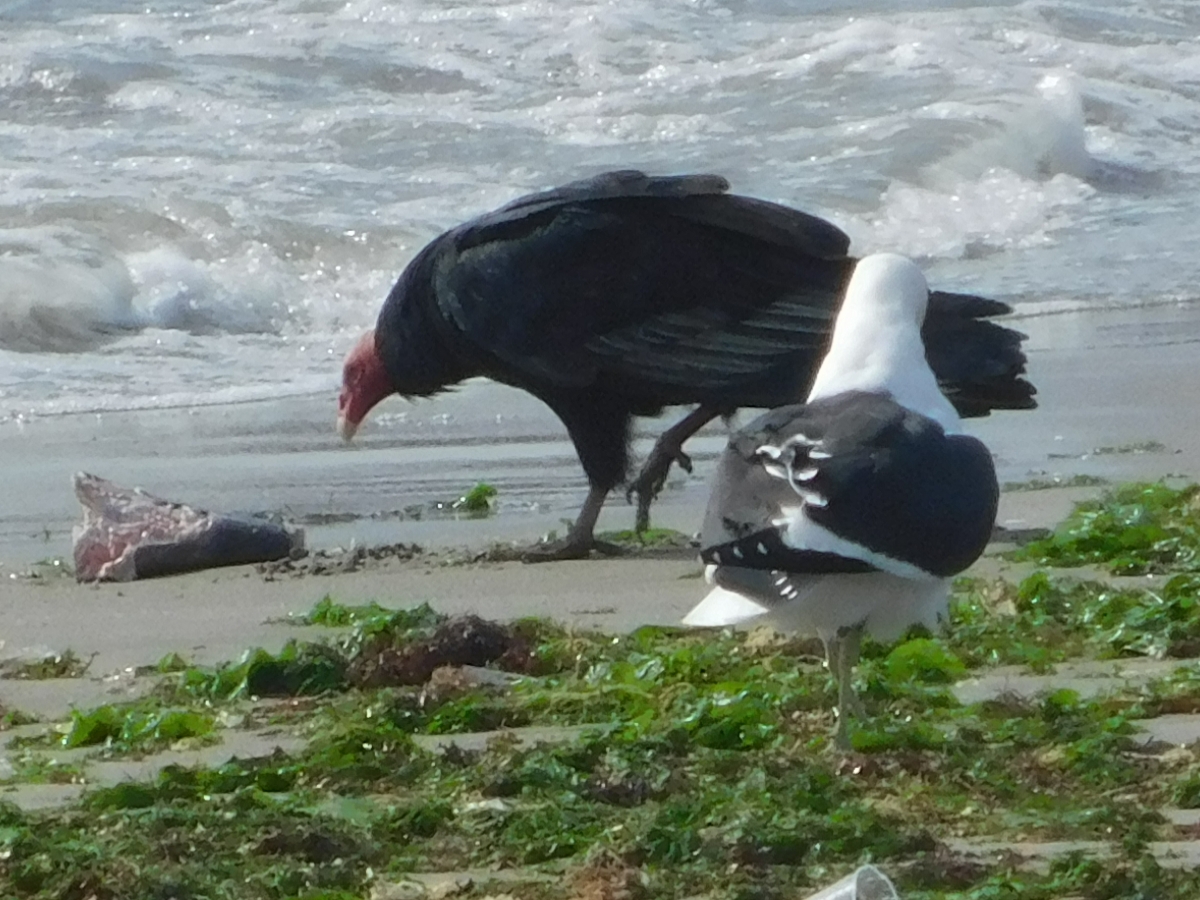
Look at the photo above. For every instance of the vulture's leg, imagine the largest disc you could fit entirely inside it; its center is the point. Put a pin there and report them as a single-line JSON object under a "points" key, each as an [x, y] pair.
{"points": [[598, 424], [667, 449], [841, 652], [580, 540]]}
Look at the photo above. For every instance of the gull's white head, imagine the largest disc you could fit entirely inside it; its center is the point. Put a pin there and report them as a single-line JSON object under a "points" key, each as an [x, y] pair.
{"points": [[877, 342]]}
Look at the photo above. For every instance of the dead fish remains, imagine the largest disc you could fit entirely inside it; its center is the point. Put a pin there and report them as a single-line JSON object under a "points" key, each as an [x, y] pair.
{"points": [[129, 534]]}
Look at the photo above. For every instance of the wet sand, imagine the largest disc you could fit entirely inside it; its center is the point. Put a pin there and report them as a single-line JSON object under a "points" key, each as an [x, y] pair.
{"points": [[1108, 382], [211, 617]]}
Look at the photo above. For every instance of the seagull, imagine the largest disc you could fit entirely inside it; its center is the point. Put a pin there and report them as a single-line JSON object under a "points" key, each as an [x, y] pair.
{"points": [[850, 513]]}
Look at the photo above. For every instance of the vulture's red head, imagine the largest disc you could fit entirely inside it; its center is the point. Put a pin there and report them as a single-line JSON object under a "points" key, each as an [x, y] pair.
{"points": [[364, 383]]}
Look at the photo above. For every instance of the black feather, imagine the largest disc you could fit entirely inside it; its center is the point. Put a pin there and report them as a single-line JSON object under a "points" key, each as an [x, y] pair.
{"points": [[626, 293], [888, 480]]}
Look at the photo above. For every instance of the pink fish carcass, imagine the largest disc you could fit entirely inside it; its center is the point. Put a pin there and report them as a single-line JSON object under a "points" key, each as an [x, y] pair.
{"points": [[129, 534]]}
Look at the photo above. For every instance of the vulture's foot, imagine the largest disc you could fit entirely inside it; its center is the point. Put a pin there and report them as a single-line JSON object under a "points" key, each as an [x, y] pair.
{"points": [[569, 548], [649, 482], [581, 538]]}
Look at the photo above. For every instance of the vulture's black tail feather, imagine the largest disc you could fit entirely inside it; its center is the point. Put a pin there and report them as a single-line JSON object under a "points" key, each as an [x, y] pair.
{"points": [[978, 363]]}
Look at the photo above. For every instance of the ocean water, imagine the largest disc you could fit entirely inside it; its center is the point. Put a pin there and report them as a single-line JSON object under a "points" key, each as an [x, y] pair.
{"points": [[205, 203]]}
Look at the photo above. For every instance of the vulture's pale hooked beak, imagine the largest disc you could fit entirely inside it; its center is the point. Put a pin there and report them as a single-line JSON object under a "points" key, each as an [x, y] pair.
{"points": [[346, 428]]}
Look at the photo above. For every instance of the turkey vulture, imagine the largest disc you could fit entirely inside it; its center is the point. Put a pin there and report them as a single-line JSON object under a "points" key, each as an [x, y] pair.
{"points": [[851, 512], [623, 294]]}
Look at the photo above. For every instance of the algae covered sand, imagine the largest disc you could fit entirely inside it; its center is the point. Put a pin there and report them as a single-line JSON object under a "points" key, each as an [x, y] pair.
{"points": [[1041, 747]]}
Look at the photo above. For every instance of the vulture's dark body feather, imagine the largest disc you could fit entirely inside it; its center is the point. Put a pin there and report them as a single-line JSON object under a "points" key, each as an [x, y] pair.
{"points": [[623, 294]]}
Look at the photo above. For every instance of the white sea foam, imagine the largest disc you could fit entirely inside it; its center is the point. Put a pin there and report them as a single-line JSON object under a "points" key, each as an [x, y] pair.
{"points": [[63, 292], [979, 216], [1044, 137], [56, 294], [245, 295]]}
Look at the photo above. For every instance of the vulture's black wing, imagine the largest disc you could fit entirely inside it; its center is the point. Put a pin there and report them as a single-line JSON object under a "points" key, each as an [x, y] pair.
{"points": [[665, 290], [662, 286]]}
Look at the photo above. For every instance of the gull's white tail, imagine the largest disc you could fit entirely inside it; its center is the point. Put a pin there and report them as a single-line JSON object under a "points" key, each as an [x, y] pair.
{"points": [[723, 607]]}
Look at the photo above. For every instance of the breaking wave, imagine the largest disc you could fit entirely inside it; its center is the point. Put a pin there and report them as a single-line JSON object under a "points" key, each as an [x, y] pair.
{"points": [[61, 292]]}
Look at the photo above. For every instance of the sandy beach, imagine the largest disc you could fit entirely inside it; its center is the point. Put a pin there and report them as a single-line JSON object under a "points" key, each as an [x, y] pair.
{"points": [[1111, 387], [1107, 381], [204, 207]]}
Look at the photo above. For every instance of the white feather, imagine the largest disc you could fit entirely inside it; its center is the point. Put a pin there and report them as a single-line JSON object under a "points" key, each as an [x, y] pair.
{"points": [[877, 342], [822, 604], [722, 607], [775, 470], [800, 532]]}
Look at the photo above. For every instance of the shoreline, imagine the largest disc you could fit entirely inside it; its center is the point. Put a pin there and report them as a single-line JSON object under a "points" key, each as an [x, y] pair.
{"points": [[1108, 387]]}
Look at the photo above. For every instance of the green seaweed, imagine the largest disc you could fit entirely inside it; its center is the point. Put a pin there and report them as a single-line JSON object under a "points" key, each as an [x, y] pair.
{"points": [[298, 669], [479, 501], [1052, 618], [55, 665], [1054, 481], [651, 538], [332, 614], [135, 728], [1134, 529]]}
